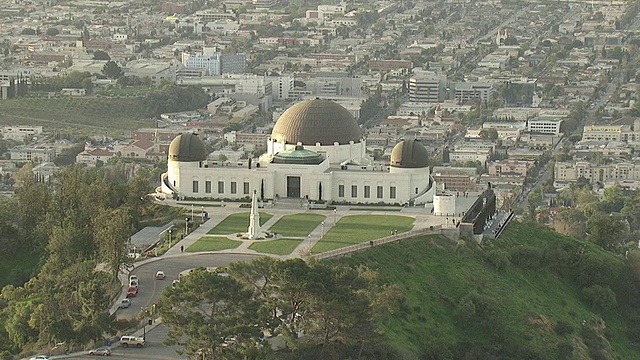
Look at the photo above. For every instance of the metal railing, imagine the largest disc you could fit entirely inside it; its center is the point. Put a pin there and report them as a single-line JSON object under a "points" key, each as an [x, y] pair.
{"points": [[385, 240]]}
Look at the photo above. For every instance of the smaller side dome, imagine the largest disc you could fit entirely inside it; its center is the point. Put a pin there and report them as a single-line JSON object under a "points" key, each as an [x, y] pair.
{"points": [[187, 147], [410, 154]]}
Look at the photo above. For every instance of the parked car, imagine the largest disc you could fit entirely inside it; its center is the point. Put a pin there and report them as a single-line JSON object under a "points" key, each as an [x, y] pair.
{"points": [[127, 341], [175, 283], [160, 275], [103, 351], [39, 357], [124, 303], [133, 283], [132, 292], [133, 278]]}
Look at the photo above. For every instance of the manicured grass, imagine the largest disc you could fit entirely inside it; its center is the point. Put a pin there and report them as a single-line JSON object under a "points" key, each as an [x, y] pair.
{"points": [[213, 243], [17, 269], [237, 223], [297, 225], [276, 247], [455, 297], [355, 229]]}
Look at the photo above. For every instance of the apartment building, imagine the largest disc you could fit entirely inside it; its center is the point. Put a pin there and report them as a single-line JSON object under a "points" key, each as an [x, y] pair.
{"points": [[20, 132], [572, 171], [510, 167], [33, 153], [604, 132]]}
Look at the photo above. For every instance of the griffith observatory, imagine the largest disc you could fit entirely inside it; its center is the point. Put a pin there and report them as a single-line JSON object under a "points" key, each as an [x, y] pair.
{"points": [[316, 151]]}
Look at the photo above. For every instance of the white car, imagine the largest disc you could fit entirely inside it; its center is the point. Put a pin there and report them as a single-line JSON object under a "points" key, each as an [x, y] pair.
{"points": [[133, 283], [124, 303], [133, 278], [40, 357], [160, 275]]}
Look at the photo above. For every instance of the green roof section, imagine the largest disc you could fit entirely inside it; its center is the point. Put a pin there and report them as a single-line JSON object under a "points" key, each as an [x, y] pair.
{"points": [[298, 156]]}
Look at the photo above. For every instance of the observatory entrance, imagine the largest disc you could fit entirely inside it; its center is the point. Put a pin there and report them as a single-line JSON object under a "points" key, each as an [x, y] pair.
{"points": [[293, 186]]}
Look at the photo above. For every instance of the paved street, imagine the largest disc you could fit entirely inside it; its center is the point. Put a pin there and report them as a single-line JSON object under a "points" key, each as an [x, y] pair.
{"points": [[155, 350], [150, 289]]}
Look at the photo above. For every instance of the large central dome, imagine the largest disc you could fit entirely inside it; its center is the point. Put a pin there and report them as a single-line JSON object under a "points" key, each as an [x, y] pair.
{"points": [[316, 121]]}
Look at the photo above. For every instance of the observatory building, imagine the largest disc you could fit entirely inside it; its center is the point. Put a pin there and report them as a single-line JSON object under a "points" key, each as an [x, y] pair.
{"points": [[316, 151]]}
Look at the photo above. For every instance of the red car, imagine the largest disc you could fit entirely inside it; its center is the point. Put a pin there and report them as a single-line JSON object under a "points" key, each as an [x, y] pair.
{"points": [[132, 291]]}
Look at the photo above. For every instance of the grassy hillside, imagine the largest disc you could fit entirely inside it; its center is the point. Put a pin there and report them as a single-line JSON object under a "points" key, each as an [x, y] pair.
{"points": [[103, 113], [533, 294]]}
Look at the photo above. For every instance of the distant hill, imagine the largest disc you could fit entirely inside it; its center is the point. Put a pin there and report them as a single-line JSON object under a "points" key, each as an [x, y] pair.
{"points": [[532, 294]]}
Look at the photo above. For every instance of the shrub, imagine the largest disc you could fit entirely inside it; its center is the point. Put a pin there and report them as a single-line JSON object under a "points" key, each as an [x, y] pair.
{"points": [[600, 297], [595, 270], [465, 310], [565, 350], [527, 256], [499, 259], [562, 328]]}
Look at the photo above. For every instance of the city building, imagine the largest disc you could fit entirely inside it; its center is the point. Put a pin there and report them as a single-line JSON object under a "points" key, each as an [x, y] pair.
{"points": [[545, 125], [91, 157], [36, 154], [427, 88], [510, 167], [19, 132], [469, 91]]}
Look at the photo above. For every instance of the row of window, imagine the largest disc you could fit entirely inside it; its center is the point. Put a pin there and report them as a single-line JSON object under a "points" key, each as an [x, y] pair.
{"points": [[233, 187], [367, 191]]}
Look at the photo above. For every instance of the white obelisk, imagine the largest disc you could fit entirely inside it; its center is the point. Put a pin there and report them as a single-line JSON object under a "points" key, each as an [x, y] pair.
{"points": [[254, 230]]}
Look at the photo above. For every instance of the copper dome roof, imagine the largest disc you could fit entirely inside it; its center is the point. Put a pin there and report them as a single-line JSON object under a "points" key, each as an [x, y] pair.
{"points": [[409, 154], [316, 121], [187, 147]]}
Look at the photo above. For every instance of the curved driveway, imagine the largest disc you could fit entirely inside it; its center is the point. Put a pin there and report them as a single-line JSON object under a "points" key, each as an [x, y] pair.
{"points": [[149, 290]]}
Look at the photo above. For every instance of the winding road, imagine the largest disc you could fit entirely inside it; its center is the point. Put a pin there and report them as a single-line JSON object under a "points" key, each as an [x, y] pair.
{"points": [[149, 290]]}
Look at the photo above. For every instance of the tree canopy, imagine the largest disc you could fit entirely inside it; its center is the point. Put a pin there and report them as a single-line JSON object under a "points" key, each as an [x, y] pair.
{"points": [[111, 70], [313, 309], [83, 217]]}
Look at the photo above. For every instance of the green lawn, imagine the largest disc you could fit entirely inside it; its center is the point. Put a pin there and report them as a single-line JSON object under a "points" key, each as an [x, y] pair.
{"points": [[276, 247], [297, 225], [355, 229], [213, 243], [237, 223]]}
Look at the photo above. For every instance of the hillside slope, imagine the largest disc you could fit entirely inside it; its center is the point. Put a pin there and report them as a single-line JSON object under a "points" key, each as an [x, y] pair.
{"points": [[532, 294]]}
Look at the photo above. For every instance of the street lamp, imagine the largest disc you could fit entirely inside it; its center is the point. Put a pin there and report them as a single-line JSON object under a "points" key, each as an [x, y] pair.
{"points": [[186, 226], [202, 214], [170, 238], [334, 216], [309, 238], [322, 230], [191, 212]]}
